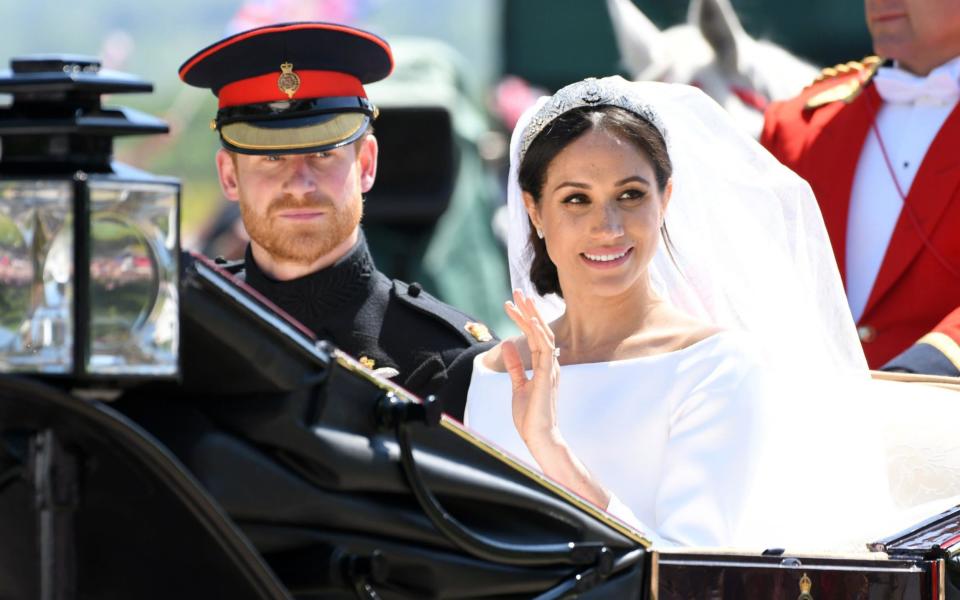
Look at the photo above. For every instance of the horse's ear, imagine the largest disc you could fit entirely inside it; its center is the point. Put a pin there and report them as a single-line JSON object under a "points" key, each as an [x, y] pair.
{"points": [[641, 44], [718, 23]]}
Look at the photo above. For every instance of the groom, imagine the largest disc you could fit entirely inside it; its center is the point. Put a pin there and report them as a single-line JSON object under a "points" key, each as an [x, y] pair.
{"points": [[298, 153], [879, 142]]}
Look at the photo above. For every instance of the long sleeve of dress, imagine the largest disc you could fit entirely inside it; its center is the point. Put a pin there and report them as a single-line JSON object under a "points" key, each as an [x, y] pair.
{"points": [[713, 440], [673, 437]]}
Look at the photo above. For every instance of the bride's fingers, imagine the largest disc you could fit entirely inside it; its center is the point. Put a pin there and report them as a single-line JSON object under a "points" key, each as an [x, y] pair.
{"points": [[529, 333], [518, 317], [518, 311], [544, 362], [545, 356], [518, 296], [538, 334], [523, 304], [530, 309], [514, 365]]}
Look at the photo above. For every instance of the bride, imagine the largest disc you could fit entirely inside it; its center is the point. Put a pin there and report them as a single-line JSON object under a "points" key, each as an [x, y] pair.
{"points": [[687, 359]]}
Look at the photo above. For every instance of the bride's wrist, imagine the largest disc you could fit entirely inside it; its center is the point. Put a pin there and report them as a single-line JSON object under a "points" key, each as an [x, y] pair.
{"points": [[546, 437], [546, 445]]}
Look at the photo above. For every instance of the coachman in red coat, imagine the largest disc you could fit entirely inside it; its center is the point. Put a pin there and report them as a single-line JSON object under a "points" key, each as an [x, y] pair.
{"points": [[910, 320]]}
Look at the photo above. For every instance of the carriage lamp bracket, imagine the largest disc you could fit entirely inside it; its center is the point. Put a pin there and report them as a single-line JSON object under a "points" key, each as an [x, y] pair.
{"points": [[393, 411]]}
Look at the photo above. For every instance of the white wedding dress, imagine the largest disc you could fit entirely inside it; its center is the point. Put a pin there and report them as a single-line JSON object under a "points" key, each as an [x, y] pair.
{"points": [[658, 431], [697, 448], [770, 433]]}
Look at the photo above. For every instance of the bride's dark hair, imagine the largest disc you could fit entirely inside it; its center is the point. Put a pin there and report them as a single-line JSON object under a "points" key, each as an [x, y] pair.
{"points": [[556, 136]]}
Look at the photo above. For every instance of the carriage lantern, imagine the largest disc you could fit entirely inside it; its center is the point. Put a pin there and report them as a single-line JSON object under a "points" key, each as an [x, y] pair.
{"points": [[89, 247]]}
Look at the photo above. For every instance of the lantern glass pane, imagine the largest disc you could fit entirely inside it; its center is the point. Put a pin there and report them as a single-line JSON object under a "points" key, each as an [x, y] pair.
{"points": [[36, 276], [134, 274]]}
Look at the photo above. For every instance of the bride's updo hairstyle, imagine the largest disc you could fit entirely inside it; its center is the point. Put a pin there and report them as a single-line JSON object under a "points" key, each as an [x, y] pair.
{"points": [[561, 132]]}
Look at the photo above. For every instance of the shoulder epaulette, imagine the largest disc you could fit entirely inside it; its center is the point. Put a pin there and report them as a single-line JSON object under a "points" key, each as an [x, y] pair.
{"points": [[853, 76], [413, 295]]}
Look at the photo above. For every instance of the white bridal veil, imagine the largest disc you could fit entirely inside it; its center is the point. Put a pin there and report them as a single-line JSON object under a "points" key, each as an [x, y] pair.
{"points": [[750, 243], [753, 255]]}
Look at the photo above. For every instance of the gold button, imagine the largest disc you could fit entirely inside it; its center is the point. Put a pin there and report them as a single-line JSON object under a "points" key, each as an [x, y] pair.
{"points": [[867, 334]]}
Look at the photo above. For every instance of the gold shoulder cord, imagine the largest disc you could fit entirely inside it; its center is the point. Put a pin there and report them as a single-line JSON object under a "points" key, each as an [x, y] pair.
{"points": [[849, 89]]}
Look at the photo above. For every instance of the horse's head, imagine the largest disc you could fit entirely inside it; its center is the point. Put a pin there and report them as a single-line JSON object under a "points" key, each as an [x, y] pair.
{"points": [[713, 52]]}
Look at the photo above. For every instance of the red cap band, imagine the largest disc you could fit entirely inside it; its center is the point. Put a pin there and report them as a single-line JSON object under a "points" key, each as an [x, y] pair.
{"points": [[313, 84]]}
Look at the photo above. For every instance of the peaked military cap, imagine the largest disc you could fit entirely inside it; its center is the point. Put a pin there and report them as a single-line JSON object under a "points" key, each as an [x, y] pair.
{"points": [[291, 87]]}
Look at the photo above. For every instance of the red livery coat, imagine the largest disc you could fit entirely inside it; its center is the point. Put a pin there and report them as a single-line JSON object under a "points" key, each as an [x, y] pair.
{"points": [[819, 134]]}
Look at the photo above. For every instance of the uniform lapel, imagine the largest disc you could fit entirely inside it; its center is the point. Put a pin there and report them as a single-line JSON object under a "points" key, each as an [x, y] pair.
{"points": [[831, 162], [936, 185]]}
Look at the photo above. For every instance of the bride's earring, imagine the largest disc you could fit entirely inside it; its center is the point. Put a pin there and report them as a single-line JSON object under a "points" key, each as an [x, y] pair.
{"points": [[539, 233]]}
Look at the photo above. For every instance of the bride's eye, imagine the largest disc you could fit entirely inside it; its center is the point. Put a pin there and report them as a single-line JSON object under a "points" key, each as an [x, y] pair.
{"points": [[632, 195], [575, 199]]}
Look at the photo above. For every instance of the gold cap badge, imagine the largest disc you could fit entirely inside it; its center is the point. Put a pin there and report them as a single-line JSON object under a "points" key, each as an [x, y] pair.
{"points": [[367, 362], [479, 331], [288, 82], [805, 586]]}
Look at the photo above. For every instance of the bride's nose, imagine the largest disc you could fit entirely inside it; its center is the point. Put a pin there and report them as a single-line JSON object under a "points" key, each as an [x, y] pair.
{"points": [[608, 222]]}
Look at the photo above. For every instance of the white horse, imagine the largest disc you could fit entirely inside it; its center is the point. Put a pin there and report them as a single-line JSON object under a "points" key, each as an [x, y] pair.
{"points": [[713, 52]]}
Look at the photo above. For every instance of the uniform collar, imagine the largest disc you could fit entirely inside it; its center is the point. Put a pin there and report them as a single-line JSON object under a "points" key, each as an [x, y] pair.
{"points": [[323, 290]]}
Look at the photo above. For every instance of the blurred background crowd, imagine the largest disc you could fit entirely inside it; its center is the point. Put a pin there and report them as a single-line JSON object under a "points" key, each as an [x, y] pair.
{"points": [[465, 71]]}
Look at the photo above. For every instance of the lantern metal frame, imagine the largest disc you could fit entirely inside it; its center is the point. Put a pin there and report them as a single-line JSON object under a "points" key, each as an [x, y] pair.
{"points": [[56, 130]]}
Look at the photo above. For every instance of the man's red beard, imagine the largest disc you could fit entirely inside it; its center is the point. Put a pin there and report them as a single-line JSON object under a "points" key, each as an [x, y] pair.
{"points": [[304, 243]]}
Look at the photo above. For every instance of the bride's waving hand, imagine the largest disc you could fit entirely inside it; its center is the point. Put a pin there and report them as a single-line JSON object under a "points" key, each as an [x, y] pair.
{"points": [[534, 398], [535, 401]]}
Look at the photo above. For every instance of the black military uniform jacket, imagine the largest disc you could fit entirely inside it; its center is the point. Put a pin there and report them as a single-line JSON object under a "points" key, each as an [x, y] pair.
{"points": [[424, 345]]}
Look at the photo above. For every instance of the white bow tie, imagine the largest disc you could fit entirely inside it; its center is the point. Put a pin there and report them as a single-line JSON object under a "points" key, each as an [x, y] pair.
{"points": [[939, 87]]}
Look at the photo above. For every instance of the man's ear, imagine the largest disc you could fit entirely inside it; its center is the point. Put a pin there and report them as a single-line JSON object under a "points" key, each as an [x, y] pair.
{"points": [[227, 172], [532, 210], [367, 156]]}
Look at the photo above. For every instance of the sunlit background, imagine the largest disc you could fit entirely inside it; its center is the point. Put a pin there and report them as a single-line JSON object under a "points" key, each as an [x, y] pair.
{"points": [[545, 43]]}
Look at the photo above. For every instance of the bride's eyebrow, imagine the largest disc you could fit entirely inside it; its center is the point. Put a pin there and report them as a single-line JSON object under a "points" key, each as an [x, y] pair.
{"points": [[632, 178], [586, 186], [574, 184]]}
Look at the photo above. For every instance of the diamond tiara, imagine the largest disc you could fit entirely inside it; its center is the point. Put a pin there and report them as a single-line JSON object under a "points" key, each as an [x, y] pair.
{"points": [[589, 92]]}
